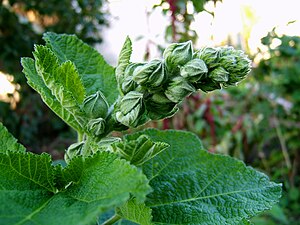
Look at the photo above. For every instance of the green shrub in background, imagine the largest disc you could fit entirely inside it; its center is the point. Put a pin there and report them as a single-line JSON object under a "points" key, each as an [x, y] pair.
{"points": [[148, 177]]}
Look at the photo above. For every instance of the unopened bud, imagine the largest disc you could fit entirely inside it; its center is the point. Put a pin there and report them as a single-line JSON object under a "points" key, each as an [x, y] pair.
{"points": [[96, 126], [178, 89], [210, 56], [73, 150], [219, 75], [194, 70], [178, 54], [95, 105], [131, 108], [151, 75]]}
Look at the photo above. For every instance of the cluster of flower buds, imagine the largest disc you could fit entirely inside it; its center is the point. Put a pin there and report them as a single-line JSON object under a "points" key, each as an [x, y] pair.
{"points": [[152, 90], [95, 107]]}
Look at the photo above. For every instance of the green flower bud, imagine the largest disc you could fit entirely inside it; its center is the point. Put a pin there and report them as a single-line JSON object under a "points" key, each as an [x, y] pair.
{"points": [[159, 106], [73, 150], [194, 70], [128, 83], [219, 75], [178, 54], [151, 75], [130, 109], [207, 85], [210, 56], [96, 126], [236, 63], [95, 105], [178, 89]]}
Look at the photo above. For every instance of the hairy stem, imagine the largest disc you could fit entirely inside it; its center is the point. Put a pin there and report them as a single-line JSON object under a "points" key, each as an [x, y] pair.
{"points": [[112, 220]]}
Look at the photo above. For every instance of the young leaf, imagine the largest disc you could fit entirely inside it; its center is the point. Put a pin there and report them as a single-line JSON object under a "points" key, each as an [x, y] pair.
{"points": [[94, 72], [63, 81], [192, 186], [37, 83], [28, 194], [135, 212], [8, 142]]}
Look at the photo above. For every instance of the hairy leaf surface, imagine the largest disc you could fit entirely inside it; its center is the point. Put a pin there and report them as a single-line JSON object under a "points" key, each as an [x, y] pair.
{"points": [[28, 193], [192, 186], [36, 82], [8, 142], [135, 212], [94, 72]]}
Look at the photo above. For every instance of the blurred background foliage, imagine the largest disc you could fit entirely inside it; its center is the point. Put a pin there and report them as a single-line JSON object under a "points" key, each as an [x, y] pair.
{"points": [[22, 24], [257, 121]]}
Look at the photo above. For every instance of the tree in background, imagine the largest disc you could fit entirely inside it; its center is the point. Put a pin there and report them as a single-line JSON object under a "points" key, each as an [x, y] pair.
{"points": [[22, 23]]}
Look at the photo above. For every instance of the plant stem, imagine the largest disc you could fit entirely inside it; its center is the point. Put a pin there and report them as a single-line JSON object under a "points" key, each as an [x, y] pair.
{"points": [[283, 145], [79, 136], [112, 220]]}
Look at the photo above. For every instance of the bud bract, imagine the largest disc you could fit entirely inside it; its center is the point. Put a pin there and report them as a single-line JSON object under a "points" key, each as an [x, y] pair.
{"points": [[219, 75], [194, 70], [178, 89], [95, 105], [130, 109], [150, 75], [96, 126], [159, 106], [73, 150], [178, 54]]}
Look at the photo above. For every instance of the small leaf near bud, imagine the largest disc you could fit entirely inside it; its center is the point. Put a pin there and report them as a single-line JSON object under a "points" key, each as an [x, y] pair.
{"points": [[96, 126], [194, 70], [150, 75], [178, 89], [73, 150], [130, 109], [219, 75], [178, 54], [95, 105]]}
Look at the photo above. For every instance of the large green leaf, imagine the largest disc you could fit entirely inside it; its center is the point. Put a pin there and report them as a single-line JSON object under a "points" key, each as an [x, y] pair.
{"points": [[192, 186], [28, 194], [94, 72], [36, 82], [8, 142]]}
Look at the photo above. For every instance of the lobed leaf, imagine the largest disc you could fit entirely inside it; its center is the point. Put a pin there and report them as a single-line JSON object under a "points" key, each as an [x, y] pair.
{"points": [[28, 193], [94, 72], [192, 186]]}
